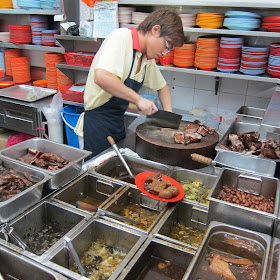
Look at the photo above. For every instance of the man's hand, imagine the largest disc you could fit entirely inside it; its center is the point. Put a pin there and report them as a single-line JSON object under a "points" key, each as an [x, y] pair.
{"points": [[146, 107]]}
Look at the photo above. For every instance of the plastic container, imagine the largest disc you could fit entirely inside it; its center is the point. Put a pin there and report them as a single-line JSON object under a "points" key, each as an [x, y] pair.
{"points": [[70, 117], [69, 95], [79, 58]]}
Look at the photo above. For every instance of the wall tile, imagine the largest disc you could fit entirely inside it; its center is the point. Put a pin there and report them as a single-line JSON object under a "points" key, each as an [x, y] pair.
{"points": [[182, 98], [260, 89], [230, 102], [167, 75], [206, 99], [183, 80], [257, 102], [205, 82], [234, 86]]}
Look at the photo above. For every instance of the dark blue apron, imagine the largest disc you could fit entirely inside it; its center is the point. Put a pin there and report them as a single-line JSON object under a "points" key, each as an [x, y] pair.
{"points": [[108, 119]]}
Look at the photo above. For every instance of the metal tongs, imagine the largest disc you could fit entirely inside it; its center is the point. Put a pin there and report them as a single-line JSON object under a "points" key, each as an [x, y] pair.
{"points": [[8, 231]]}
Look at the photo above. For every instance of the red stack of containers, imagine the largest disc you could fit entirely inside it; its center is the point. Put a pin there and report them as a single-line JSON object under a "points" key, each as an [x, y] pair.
{"points": [[8, 54], [273, 67], [184, 56], [51, 72], [63, 80], [21, 70], [20, 34]]}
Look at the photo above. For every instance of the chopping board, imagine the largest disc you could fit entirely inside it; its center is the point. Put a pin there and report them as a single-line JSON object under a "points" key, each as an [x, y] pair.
{"points": [[157, 144]]}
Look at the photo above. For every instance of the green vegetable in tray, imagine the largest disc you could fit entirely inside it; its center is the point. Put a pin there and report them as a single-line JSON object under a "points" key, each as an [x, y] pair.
{"points": [[196, 191]]}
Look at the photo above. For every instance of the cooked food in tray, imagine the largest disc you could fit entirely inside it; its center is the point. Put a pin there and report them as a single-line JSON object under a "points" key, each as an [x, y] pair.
{"points": [[44, 160], [230, 257], [12, 182], [100, 260], [154, 184], [195, 191], [249, 143], [193, 133], [248, 199]]}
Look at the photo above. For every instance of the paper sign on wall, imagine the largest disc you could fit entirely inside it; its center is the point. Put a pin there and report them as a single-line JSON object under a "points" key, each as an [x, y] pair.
{"points": [[105, 18]]}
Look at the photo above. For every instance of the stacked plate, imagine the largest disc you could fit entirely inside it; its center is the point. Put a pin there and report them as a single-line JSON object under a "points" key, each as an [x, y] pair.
{"points": [[210, 20], [6, 4], [167, 60], [137, 17], [229, 54], [21, 70], [63, 80], [50, 4], [125, 14], [273, 67], [254, 60], [184, 56], [8, 54], [271, 24], [239, 20], [20, 34], [207, 52], [51, 72], [29, 4], [188, 20], [48, 37]]}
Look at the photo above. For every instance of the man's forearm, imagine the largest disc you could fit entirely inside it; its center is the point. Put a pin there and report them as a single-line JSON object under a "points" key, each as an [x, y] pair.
{"points": [[165, 98]]}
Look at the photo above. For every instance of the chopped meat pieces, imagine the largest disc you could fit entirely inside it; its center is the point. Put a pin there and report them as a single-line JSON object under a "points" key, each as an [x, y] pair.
{"points": [[241, 243], [191, 128], [192, 137], [179, 138]]}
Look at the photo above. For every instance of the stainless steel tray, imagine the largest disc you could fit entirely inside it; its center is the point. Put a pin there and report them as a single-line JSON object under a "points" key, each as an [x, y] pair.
{"points": [[273, 268], [27, 93], [241, 216], [261, 241], [250, 114], [16, 205], [59, 177], [240, 127]]}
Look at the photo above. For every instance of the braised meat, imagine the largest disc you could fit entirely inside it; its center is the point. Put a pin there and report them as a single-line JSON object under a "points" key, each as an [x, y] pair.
{"points": [[179, 138]]}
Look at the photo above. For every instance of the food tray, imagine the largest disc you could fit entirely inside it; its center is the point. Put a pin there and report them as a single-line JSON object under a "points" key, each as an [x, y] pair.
{"points": [[79, 58], [27, 93], [58, 177], [69, 95], [16, 205]]}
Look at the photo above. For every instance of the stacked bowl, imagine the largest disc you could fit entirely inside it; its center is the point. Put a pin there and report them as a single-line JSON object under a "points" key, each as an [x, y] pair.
{"points": [[207, 52], [40, 83], [184, 56], [63, 80], [21, 69], [125, 14], [48, 37], [239, 20], [29, 4], [6, 4], [167, 60], [8, 54], [38, 23], [210, 20], [273, 67], [229, 54], [254, 60], [138, 17], [271, 24], [188, 20], [50, 4], [20, 34]]}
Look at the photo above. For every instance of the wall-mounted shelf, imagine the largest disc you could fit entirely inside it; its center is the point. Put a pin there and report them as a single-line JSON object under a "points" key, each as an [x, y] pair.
{"points": [[71, 67], [75, 38], [32, 47], [28, 12]]}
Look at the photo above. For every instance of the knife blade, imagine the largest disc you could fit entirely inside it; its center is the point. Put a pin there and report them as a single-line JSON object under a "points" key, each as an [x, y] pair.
{"points": [[103, 212], [165, 119]]}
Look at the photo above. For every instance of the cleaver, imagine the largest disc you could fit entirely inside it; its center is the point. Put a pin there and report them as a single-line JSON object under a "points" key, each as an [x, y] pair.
{"points": [[165, 119]]}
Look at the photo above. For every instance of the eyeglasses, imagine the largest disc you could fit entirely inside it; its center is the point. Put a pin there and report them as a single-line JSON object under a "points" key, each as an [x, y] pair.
{"points": [[168, 49]]}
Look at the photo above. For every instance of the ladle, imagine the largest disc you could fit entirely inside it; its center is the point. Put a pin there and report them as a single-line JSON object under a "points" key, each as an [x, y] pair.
{"points": [[113, 144], [75, 256]]}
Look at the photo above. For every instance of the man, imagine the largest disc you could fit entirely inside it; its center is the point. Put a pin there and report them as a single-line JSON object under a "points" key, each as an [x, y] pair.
{"points": [[125, 62]]}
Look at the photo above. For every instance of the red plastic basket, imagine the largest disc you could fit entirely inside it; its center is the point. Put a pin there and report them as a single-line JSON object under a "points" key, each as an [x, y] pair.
{"points": [[79, 58], [69, 95]]}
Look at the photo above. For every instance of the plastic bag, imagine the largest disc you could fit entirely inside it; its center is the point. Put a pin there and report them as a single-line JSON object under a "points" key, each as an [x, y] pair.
{"points": [[54, 120]]}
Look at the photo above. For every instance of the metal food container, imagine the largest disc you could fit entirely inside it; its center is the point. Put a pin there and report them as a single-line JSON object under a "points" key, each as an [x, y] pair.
{"points": [[250, 114], [246, 163], [15, 266], [114, 168], [134, 197], [16, 205], [155, 254], [87, 187], [59, 177], [184, 175], [217, 240], [184, 214], [116, 236], [242, 216], [34, 223], [273, 269], [240, 127]]}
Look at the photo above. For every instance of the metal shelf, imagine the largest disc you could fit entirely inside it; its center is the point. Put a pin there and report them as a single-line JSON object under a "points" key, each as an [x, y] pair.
{"points": [[76, 38], [32, 47], [210, 3], [71, 67], [28, 12]]}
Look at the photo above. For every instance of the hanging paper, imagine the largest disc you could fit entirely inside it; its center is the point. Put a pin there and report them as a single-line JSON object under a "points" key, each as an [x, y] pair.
{"points": [[105, 18]]}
